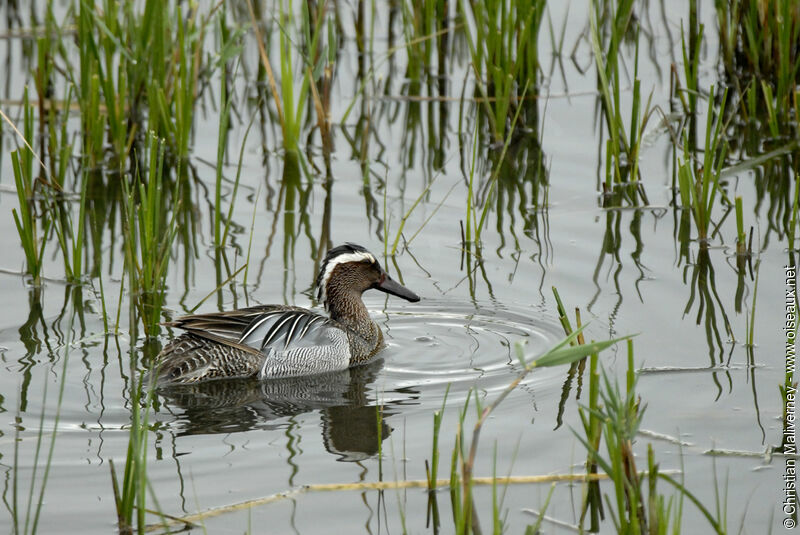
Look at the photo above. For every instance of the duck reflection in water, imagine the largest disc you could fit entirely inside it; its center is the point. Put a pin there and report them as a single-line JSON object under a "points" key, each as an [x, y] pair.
{"points": [[350, 422]]}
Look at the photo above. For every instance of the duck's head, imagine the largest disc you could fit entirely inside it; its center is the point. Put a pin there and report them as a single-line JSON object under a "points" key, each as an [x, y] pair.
{"points": [[349, 269]]}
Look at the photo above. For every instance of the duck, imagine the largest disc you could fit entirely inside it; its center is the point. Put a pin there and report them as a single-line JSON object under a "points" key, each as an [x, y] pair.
{"points": [[278, 341]]}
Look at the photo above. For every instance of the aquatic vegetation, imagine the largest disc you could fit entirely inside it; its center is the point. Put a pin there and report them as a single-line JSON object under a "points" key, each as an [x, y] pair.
{"points": [[689, 92], [130, 494], [71, 233], [744, 247], [463, 458], [611, 417], [313, 61], [149, 232], [475, 224], [615, 416], [699, 186], [26, 221], [138, 71], [138, 112], [42, 452], [622, 148], [231, 46], [424, 33], [503, 40], [761, 55]]}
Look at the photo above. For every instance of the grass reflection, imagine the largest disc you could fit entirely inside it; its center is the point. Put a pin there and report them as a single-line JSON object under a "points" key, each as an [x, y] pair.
{"points": [[701, 279]]}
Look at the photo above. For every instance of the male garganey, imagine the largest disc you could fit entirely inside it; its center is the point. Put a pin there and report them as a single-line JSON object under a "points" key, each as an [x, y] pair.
{"points": [[272, 341]]}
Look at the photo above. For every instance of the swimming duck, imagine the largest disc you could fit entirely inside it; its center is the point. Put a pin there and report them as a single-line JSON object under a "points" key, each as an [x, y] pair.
{"points": [[272, 341]]}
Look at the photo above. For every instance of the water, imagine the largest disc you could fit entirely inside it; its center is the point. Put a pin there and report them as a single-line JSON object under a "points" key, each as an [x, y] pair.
{"points": [[222, 444]]}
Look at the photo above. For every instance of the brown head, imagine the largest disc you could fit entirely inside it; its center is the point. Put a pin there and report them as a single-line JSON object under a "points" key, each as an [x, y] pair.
{"points": [[348, 271]]}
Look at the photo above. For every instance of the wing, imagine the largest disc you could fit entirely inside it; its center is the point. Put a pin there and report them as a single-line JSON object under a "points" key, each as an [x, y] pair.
{"points": [[257, 328], [285, 329]]}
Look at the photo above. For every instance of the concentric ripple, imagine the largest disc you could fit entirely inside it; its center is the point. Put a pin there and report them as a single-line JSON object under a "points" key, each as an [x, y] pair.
{"points": [[436, 343]]}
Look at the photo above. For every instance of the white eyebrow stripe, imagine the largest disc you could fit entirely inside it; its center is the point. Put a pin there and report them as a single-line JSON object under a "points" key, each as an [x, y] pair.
{"points": [[358, 256]]}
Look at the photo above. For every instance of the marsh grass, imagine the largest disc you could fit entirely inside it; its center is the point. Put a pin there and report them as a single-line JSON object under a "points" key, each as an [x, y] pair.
{"points": [[760, 46], [432, 467], [32, 227], [129, 70], [464, 454], [633, 507], [475, 222], [592, 501], [420, 19], [744, 257], [690, 53], [130, 495], [27, 222], [740, 235], [138, 71], [149, 228], [231, 46], [699, 183], [612, 417], [744, 246], [43, 203], [312, 57], [622, 149], [71, 233], [502, 39]]}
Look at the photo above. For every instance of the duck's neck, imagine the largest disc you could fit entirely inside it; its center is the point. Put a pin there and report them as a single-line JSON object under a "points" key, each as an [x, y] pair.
{"points": [[346, 307], [366, 338]]}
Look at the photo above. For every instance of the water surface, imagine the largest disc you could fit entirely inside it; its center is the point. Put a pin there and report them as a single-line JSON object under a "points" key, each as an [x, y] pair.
{"points": [[225, 443]]}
